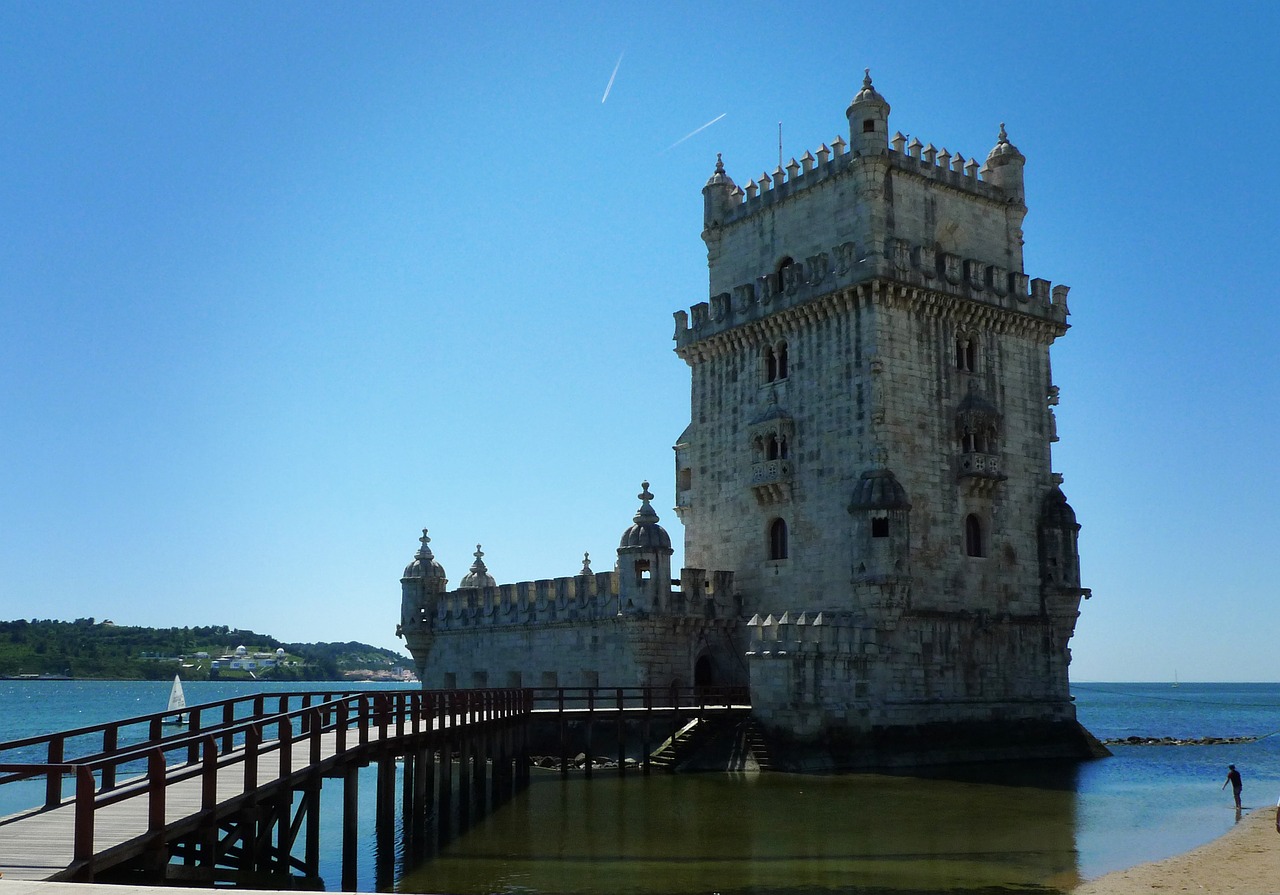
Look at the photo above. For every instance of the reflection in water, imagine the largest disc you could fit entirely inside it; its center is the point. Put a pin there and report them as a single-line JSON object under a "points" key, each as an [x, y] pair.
{"points": [[769, 833]]}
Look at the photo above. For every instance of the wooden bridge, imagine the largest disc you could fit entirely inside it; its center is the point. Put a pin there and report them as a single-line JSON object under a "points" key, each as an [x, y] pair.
{"points": [[230, 793]]}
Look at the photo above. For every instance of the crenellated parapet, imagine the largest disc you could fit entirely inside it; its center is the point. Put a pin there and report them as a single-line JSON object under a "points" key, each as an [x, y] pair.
{"points": [[834, 634], [842, 267], [581, 598], [941, 166]]}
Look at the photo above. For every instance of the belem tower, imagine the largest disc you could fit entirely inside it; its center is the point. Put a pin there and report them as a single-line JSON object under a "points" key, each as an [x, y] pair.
{"points": [[875, 540]]}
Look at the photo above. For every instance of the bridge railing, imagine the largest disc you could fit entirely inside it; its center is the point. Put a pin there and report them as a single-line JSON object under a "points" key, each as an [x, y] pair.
{"points": [[605, 699], [147, 769]]}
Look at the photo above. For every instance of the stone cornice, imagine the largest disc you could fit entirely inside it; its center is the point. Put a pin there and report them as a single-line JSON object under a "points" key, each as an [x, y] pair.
{"points": [[887, 292]]}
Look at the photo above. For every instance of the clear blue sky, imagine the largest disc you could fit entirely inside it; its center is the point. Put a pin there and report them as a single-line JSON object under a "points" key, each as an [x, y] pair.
{"points": [[281, 284]]}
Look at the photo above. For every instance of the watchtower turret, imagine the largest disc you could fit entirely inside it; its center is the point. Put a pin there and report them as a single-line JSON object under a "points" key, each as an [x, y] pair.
{"points": [[868, 120], [719, 196], [1005, 166], [644, 559], [421, 586]]}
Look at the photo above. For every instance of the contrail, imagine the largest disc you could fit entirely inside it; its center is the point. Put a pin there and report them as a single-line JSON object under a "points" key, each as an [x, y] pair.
{"points": [[611, 77], [699, 130]]}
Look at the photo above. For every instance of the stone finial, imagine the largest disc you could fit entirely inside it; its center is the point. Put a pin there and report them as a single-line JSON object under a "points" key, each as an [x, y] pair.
{"points": [[424, 552], [646, 513], [478, 565], [586, 564]]}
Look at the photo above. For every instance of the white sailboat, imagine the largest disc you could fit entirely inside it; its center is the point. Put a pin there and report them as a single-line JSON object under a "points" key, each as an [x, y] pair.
{"points": [[177, 702]]}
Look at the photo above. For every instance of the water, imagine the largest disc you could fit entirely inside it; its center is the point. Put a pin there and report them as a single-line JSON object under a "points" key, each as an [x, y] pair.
{"points": [[1027, 828]]}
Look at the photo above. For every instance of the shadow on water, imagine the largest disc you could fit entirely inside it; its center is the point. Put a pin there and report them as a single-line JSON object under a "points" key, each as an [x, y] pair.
{"points": [[768, 834]]}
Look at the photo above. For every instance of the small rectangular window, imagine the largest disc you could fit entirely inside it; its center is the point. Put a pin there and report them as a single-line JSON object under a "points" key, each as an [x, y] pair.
{"points": [[880, 527]]}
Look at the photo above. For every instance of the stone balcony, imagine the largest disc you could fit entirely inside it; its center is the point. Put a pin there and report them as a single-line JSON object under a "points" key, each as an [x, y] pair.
{"points": [[771, 481]]}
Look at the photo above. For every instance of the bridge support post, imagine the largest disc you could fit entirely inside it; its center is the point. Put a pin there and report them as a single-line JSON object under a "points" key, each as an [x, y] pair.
{"points": [[350, 827], [385, 824], [444, 817]]}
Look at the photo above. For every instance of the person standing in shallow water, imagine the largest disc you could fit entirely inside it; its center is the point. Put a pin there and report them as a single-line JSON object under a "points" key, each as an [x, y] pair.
{"points": [[1233, 777]]}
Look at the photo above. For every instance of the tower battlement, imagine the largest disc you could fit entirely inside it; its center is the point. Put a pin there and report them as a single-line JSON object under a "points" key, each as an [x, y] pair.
{"points": [[550, 601], [937, 278], [812, 169]]}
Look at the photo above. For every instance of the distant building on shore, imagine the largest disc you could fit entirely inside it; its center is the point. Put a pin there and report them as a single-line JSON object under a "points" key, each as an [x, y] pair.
{"points": [[875, 540]]}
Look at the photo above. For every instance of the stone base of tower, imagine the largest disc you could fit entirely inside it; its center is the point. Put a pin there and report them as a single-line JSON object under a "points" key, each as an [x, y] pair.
{"points": [[925, 744], [894, 688]]}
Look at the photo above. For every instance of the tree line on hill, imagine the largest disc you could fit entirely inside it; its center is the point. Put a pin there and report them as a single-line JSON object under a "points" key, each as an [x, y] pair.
{"points": [[86, 648]]}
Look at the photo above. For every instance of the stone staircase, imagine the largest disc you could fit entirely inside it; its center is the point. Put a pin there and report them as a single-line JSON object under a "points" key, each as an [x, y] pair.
{"points": [[714, 744]]}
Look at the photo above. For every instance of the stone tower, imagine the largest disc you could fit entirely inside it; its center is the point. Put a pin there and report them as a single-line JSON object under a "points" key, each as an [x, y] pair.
{"points": [[869, 447]]}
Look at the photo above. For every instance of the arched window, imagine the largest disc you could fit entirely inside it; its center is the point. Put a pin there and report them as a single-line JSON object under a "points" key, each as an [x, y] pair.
{"points": [[974, 540], [770, 364], [780, 278], [783, 450], [781, 353], [771, 448], [778, 539]]}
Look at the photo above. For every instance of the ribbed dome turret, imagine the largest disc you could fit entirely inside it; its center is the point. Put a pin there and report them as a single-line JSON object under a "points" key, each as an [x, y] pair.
{"points": [[424, 563], [479, 575], [868, 116], [868, 93], [1004, 151], [879, 489], [719, 177], [719, 196], [646, 533], [1004, 167], [1055, 512]]}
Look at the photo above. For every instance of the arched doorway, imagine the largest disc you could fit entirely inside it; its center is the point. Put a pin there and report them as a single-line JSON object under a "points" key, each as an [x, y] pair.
{"points": [[703, 673]]}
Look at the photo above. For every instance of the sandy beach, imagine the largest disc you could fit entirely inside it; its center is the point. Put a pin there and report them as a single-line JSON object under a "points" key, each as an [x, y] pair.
{"points": [[1244, 861]]}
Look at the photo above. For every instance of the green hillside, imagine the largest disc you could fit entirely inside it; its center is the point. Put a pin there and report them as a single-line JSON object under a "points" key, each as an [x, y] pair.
{"points": [[85, 648]]}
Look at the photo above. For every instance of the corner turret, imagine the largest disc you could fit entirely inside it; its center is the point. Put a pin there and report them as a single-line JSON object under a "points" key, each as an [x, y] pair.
{"points": [[881, 530], [868, 120], [421, 585], [1004, 167], [719, 196], [644, 560]]}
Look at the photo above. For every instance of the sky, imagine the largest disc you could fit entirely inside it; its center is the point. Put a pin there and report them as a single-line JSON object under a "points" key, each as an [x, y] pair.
{"points": [[282, 284]]}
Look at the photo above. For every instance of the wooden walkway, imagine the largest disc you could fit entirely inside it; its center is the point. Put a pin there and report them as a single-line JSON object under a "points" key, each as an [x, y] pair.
{"points": [[133, 801]]}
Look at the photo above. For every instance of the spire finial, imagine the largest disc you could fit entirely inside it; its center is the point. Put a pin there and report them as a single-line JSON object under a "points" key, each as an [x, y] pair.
{"points": [[478, 554], [1003, 138], [586, 564], [424, 552], [866, 78], [646, 512], [719, 163]]}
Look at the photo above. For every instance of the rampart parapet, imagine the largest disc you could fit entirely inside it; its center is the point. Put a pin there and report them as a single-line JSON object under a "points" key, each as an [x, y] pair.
{"points": [[848, 265], [579, 598]]}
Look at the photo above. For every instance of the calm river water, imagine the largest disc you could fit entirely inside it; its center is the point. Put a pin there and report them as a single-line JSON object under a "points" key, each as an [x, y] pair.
{"points": [[1024, 828]]}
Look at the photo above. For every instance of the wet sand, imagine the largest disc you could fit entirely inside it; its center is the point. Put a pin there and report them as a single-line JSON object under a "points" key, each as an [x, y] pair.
{"points": [[1243, 861]]}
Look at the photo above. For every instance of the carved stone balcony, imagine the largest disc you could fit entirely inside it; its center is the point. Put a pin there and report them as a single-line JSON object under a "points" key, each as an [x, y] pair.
{"points": [[982, 465], [771, 481], [980, 472]]}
